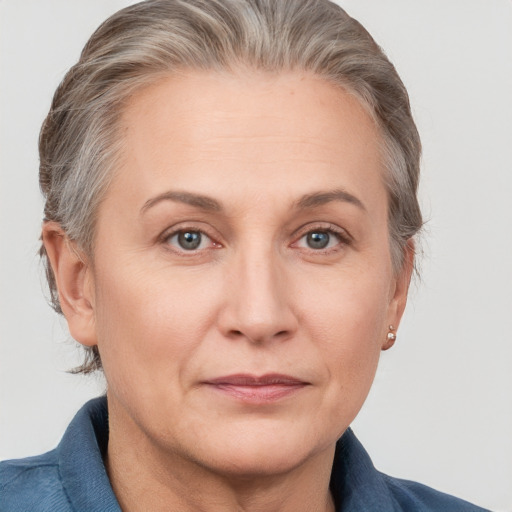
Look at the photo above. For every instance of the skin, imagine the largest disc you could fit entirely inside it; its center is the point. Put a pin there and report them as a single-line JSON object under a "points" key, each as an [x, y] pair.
{"points": [[279, 156]]}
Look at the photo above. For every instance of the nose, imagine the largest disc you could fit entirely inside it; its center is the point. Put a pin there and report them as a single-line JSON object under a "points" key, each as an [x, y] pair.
{"points": [[258, 303]]}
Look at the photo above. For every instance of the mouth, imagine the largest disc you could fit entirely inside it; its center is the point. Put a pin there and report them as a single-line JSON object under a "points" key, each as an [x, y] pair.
{"points": [[257, 389]]}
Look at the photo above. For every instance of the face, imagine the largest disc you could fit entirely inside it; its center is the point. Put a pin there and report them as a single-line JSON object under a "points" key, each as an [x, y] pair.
{"points": [[242, 284]]}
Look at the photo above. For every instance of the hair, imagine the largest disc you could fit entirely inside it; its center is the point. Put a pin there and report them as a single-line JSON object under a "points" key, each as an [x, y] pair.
{"points": [[80, 142]]}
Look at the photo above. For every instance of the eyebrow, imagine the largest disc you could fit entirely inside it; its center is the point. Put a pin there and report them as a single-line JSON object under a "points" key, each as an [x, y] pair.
{"points": [[198, 201], [206, 203], [320, 198]]}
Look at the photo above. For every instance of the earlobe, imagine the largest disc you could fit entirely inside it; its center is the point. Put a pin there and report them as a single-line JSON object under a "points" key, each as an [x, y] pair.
{"points": [[399, 298], [73, 279], [390, 338]]}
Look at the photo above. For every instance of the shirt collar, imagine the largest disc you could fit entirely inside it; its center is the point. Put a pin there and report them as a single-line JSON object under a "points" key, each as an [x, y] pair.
{"points": [[80, 453], [355, 483]]}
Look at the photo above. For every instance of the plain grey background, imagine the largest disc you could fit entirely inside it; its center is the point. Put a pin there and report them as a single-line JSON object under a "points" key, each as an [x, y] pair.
{"points": [[440, 411]]}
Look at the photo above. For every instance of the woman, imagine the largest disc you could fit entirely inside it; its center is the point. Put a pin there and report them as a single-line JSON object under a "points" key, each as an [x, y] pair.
{"points": [[229, 230]]}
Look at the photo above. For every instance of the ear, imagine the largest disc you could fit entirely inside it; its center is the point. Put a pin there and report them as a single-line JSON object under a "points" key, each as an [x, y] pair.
{"points": [[399, 293], [73, 278]]}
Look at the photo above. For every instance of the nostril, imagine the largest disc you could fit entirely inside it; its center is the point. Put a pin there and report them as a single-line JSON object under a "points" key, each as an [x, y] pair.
{"points": [[257, 337]]}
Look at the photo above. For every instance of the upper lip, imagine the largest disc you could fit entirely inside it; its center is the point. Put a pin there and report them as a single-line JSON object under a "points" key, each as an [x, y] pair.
{"points": [[245, 379]]}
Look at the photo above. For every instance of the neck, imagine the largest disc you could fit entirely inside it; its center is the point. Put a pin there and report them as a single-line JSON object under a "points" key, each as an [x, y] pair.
{"points": [[147, 477]]}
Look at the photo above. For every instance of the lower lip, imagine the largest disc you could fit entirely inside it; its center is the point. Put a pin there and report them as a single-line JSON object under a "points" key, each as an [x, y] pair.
{"points": [[258, 394]]}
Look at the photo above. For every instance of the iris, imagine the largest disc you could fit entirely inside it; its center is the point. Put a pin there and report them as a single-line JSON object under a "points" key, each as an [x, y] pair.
{"points": [[318, 239], [189, 240]]}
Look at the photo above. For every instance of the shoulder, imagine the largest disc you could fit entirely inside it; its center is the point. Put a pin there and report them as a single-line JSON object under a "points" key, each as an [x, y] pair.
{"points": [[357, 485], [32, 484], [412, 496], [71, 477]]}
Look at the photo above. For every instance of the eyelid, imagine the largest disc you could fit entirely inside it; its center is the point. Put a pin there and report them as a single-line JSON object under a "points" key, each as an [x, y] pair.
{"points": [[343, 234], [345, 239], [184, 227]]}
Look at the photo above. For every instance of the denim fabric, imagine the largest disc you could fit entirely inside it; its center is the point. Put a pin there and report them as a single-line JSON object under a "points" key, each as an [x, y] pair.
{"points": [[73, 478], [70, 478]]}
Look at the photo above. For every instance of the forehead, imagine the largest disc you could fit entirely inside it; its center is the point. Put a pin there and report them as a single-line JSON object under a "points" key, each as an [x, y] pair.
{"points": [[256, 128], [255, 103]]}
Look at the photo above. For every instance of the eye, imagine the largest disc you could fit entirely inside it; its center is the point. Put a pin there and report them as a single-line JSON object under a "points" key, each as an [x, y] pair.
{"points": [[318, 239], [189, 240], [322, 239]]}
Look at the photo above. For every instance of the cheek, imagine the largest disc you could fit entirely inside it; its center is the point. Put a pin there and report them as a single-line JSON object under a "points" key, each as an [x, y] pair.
{"points": [[148, 324], [350, 304], [347, 321]]}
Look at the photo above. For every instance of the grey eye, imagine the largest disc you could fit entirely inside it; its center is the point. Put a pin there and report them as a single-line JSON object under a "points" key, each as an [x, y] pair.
{"points": [[188, 240], [191, 241], [318, 239]]}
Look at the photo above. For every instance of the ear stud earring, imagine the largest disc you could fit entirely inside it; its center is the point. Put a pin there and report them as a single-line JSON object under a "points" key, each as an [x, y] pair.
{"points": [[391, 338]]}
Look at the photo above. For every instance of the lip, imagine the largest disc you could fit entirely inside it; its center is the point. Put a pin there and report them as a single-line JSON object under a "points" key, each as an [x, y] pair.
{"points": [[255, 389]]}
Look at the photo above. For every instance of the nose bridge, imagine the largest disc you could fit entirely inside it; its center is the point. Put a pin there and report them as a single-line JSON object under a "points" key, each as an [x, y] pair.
{"points": [[259, 306]]}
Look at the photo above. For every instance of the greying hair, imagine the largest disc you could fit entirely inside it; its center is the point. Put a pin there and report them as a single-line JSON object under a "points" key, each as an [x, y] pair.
{"points": [[80, 141]]}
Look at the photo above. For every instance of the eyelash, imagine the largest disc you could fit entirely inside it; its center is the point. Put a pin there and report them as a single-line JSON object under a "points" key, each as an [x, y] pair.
{"points": [[169, 235], [342, 236]]}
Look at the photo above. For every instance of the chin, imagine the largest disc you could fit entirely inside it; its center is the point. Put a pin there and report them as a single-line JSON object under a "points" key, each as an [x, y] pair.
{"points": [[249, 464], [258, 452]]}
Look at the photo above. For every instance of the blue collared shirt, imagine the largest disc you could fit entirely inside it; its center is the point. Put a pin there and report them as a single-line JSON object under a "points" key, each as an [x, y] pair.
{"points": [[73, 477]]}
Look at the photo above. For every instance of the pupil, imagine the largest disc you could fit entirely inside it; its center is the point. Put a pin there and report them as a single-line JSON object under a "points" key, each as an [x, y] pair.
{"points": [[189, 239], [318, 240]]}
